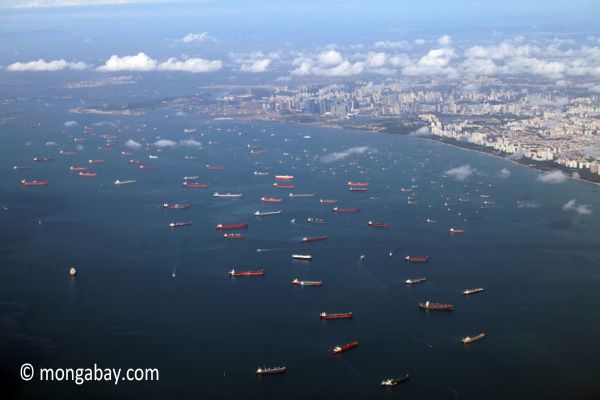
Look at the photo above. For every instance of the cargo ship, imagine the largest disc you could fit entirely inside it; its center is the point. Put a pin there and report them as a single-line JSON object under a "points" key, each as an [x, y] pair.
{"points": [[258, 272], [292, 195], [345, 210], [346, 347], [284, 185], [416, 258], [125, 182], [284, 177], [324, 315], [357, 189], [215, 167], [270, 371], [308, 239], [473, 291], [394, 381], [96, 161], [223, 227], [42, 159], [312, 220], [179, 224], [88, 174], [271, 200], [415, 280], [33, 183], [194, 185], [233, 236], [358, 184], [436, 306], [305, 257], [266, 213], [469, 339], [327, 201], [72, 168], [298, 282], [454, 230], [175, 206], [378, 224], [228, 195]]}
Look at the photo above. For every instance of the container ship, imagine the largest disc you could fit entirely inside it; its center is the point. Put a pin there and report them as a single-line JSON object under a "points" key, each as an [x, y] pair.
{"points": [[416, 259], [266, 213], [270, 371], [394, 381], [378, 224], [308, 239], [125, 182], [33, 183], [270, 200], [233, 236], [176, 206], [305, 257], [471, 339], [228, 195], [346, 347], [87, 174], [327, 201], [345, 210], [473, 291], [415, 280], [214, 167], [298, 282], [325, 315], [436, 306], [292, 195], [284, 185], [454, 230], [358, 184], [72, 168], [179, 224], [194, 185], [312, 220], [223, 227], [284, 177], [258, 272]]}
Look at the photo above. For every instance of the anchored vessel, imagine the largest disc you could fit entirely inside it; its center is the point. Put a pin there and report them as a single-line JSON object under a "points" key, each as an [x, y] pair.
{"points": [[357, 189], [379, 224], [327, 201], [270, 200], [312, 220], [469, 339], [298, 282], [305, 257], [292, 195], [394, 381], [222, 227], [233, 236], [416, 258], [179, 224], [473, 291], [191, 185], [88, 174], [415, 280], [346, 347], [284, 185], [228, 195], [124, 182], [270, 371], [176, 206], [284, 177], [214, 167], [72, 168], [266, 213], [345, 210], [33, 183], [258, 272], [357, 184], [308, 239], [454, 230], [436, 306], [324, 315]]}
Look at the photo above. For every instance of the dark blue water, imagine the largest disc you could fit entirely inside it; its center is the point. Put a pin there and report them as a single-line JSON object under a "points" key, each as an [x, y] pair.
{"points": [[207, 333]]}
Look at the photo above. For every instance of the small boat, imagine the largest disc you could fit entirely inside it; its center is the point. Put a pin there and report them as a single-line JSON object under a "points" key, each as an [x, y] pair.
{"points": [[270, 371], [259, 272], [87, 174], [72, 168], [284, 177], [340, 349], [233, 236], [284, 185], [378, 224], [312, 220], [215, 167], [72, 271], [270, 200], [179, 224], [471, 339], [345, 210], [473, 291], [357, 184], [327, 201], [293, 195], [325, 315], [176, 206], [305, 257], [299, 282], [223, 227], [308, 239], [33, 183], [194, 185], [415, 280], [454, 230], [416, 259], [228, 195], [125, 182], [394, 381], [266, 213], [436, 306]]}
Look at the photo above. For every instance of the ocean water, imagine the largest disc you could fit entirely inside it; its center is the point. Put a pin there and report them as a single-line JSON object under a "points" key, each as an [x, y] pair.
{"points": [[147, 296]]}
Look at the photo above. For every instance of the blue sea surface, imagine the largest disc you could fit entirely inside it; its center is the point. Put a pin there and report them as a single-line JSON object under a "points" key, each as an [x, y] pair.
{"points": [[147, 296]]}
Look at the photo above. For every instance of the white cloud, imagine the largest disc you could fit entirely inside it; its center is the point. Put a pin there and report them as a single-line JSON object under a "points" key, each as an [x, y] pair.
{"points": [[42, 65], [340, 155], [504, 173], [460, 173], [132, 144], [139, 62], [388, 44], [70, 124], [190, 143], [445, 40], [198, 38], [330, 58], [553, 177], [193, 65], [165, 143], [581, 209], [66, 3], [256, 66], [435, 62], [419, 42]]}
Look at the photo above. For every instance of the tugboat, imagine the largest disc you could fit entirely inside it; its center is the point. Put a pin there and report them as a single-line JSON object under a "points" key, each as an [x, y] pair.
{"points": [[469, 339], [270, 371], [436, 306], [394, 381], [346, 347]]}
